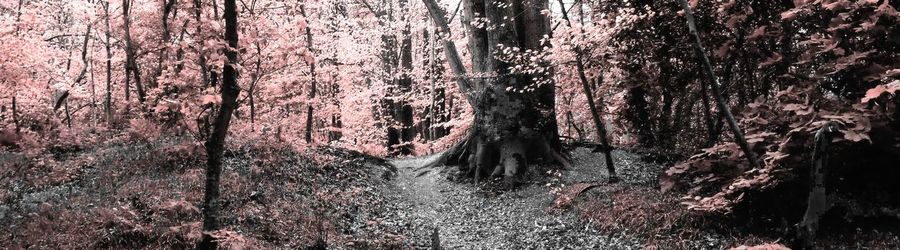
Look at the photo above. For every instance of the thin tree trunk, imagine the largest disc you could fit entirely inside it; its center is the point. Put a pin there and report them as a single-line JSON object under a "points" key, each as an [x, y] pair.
{"points": [[204, 68], [68, 114], [93, 97], [131, 67], [15, 111], [595, 115], [215, 146], [711, 134], [312, 83], [168, 6], [714, 84], [64, 97], [572, 124], [108, 101], [18, 15], [15, 114]]}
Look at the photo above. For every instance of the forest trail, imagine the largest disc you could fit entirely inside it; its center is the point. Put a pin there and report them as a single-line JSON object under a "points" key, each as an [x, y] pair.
{"points": [[468, 216]]}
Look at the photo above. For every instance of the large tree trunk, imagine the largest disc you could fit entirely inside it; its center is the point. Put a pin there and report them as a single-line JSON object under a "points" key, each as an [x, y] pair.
{"points": [[216, 143], [514, 112]]}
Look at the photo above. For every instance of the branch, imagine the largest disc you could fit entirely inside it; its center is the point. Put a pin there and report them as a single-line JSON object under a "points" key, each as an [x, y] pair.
{"points": [[438, 15]]}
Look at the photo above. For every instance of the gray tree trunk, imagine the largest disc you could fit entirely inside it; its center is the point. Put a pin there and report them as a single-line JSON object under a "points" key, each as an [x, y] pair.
{"points": [[513, 126]]}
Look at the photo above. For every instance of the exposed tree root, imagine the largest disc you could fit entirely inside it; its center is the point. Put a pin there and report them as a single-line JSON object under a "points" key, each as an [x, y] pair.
{"points": [[480, 158]]}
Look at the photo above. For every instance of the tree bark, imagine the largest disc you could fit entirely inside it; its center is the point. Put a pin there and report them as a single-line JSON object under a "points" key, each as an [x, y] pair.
{"points": [[204, 68], [64, 97], [511, 127], [589, 95], [711, 134], [15, 111], [714, 84], [107, 104], [168, 7], [312, 84], [131, 66], [817, 203], [15, 115], [402, 112], [215, 145]]}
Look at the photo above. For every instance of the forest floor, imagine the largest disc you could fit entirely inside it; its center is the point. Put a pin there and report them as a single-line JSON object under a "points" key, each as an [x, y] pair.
{"points": [[479, 216], [476, 216], [126, 194]]}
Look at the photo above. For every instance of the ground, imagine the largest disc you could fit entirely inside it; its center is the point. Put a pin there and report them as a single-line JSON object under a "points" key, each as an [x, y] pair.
{"points": [[146, 194]]}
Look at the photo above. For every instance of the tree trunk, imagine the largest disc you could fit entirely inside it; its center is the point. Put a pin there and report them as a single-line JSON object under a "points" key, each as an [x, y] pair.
{"points": [[15, 115], [216, 143], [714, 84], [64, 97], [312, 83], [817, 203], [572, 124], [511, 127], [204, 68], [711, 134], [168, 7], [131, 66], [402, 112], [640, 114], [108, 102], [589, 95]]}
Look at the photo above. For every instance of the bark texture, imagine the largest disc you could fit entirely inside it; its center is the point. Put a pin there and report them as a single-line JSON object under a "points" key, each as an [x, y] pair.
{"points": [[131, 66], [515, 112], [817, 203], [215, 145], [312, 83]]}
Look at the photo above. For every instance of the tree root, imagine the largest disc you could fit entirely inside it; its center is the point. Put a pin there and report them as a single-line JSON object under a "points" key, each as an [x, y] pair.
{"points": [[480, 159]]}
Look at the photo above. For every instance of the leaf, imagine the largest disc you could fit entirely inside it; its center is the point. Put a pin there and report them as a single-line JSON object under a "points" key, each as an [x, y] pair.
{"points": [[210, 99], [722, 52], [836, 5], [776, 57], [757, 33], [854, 136], [879, 90], [791, 14]]}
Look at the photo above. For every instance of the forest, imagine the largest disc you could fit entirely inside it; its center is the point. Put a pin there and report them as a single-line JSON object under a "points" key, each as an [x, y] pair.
{"points": [[449, 124]]}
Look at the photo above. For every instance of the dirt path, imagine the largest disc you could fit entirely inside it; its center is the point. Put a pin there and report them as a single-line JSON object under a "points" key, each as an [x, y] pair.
{"points": [[468, 218]]}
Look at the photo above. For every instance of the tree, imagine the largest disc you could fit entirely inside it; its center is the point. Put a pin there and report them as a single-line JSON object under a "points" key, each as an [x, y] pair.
{"points": [[312, 82], [513, 100], [586, 88], [131, 66], [714, 86], [215, 145]]}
